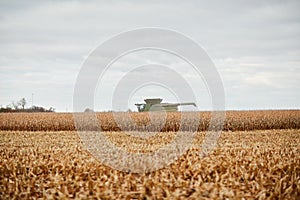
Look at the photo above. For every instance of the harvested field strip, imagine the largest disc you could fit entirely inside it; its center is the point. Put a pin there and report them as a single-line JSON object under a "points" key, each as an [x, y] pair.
{"points": [[254, 164], [235, 121]]}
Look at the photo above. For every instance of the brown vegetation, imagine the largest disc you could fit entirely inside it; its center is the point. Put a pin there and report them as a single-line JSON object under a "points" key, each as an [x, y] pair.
{"points": [[41, 156], [235, 121], [250, 165]]}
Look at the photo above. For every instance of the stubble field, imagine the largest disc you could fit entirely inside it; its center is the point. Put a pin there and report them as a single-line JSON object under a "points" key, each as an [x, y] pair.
{"points": [[249, 162]]}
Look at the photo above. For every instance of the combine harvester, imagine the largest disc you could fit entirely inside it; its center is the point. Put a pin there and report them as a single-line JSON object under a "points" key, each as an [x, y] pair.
{"points": [[156, 105]]}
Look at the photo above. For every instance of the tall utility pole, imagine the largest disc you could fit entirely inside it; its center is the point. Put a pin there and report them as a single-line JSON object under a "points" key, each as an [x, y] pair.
{"points": [[32, 100]]}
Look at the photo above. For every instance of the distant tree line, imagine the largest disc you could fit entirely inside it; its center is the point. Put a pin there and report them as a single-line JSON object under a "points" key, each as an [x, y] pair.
{"points": [[19, 106]]}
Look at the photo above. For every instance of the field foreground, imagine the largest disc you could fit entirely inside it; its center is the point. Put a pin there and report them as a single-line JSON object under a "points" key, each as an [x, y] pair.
{"points": [[250, 164]]}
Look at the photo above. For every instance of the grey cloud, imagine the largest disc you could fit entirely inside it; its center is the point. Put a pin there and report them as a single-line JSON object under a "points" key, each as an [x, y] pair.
{"points": [[41, 40]]}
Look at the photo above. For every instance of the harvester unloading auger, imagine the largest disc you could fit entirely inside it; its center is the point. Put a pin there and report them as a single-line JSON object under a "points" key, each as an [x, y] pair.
{"points": [[156, 105]]}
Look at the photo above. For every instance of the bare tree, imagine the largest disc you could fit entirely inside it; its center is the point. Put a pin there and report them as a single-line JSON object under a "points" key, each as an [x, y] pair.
{"points": [[22, 103], [51, 109], [15, 105]]}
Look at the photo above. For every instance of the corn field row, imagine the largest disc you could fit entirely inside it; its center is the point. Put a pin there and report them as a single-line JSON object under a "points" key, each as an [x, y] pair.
{"points": [[235, 121], [261, 164]]}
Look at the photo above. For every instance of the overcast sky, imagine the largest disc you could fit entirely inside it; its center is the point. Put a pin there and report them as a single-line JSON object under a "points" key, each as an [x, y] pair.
{"points": [[255, 46]]}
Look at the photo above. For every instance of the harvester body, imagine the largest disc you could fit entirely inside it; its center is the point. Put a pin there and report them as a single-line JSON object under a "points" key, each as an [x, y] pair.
{"points": [[156, 105]]}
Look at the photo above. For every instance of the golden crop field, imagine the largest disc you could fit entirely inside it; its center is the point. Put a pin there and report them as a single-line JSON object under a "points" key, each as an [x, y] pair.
{"points": [[251, 165], [41, 156], [235, 121]]}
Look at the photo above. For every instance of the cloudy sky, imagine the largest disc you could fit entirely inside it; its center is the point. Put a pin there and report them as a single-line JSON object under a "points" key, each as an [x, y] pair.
{"points": [[255, 46]]}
